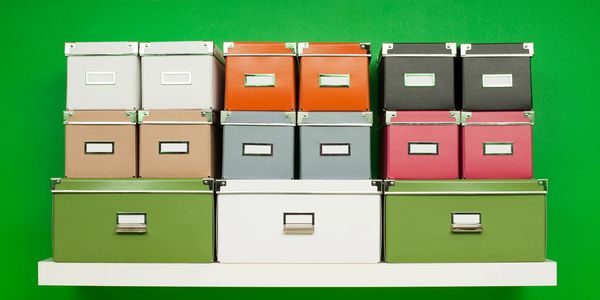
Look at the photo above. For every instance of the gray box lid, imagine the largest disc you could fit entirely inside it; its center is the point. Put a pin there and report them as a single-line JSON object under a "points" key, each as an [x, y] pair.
{"points": [[419, 49], [496, 50], [101, 48], [265, 118], [335, 118]]}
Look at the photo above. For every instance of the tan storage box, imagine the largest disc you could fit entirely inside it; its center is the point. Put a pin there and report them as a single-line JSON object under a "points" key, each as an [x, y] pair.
{"points": [[177, 144], [100, 144]]}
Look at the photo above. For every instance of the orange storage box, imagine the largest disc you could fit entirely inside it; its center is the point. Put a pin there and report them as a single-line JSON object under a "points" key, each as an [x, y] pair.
{"points": [[260, 76], [334, 76]]}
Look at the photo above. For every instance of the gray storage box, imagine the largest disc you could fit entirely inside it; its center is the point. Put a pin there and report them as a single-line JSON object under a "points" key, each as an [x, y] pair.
{"points": [[103, 76], [496, 76], [182, 75], [417, 76], [335, 145], [258, 145]]}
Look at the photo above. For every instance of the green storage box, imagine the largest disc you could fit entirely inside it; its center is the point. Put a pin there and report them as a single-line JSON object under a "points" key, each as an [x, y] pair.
{"points": [[465, 221], [133, 220]]}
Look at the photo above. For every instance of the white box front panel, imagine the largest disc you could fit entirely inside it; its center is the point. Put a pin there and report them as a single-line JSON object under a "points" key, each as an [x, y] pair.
{"points": [[347, 228], [182, 82]]}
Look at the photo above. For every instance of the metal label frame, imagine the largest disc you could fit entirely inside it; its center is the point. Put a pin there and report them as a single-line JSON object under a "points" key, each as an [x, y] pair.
{"points": [[512, 148], [160, 143], [187, 82], [272, 76], [437, 148], [285, 214], [349, 153], [85, 145], [419, 75], [257, 144], [347, 76], [90, 82]]}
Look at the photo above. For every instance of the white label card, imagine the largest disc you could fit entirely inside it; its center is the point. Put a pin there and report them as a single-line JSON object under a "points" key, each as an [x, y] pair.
{"points": [[259, 80], [421, 148], [176, 78], [497, 80], [466, 218], [257, 149], [100, 78], [99, 147], [174, 147], [334, 80], [124, 219], [335, 149], [497, 148], [419, 79]]}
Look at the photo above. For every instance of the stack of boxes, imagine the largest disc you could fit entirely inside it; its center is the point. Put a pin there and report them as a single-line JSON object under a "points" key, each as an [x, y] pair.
{"points": [[429, 215], [294, 185]]}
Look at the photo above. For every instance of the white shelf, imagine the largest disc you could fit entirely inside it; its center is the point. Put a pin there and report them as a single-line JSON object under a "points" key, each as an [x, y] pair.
{"points": [[297, 275]]}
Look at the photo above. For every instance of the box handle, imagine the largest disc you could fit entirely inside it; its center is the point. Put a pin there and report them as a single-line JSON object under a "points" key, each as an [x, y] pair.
{"points": [[259, 80], [173, 147], [496, 80], [337, 149], [100, 78], [131, 223], [463, 222], [99, 147], [419, 79], [423, 148], [334, 80], [503, 148], [176, 78], [254, 149], [299, 223]]}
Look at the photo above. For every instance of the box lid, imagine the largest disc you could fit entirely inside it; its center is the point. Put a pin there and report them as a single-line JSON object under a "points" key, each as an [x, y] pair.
{"points": [[334, 49], [181, 48], [298, 187], [259, 49], [335, 118], [96, 117], [463, 187], [422, 117], [139, 185], [258, 118], [175, 117], [497, 118], [101, 48], [419, 49], [496, 50]]}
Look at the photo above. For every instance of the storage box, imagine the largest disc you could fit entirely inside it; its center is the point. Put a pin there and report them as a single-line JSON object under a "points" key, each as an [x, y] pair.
{"points": [[334, 76], [496, 76], [258, 145], [447, 221], [103, 76], [497, 144], [417, 76], [421, 145], [177, 144], [182, 75], [298, 221], [100, 144], [335, 145], [260, 76], [133, 220]]}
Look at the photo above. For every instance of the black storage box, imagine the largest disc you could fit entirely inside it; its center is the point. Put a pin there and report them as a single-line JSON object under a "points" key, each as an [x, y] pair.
{"points": [[417, 76], [496, 76]]}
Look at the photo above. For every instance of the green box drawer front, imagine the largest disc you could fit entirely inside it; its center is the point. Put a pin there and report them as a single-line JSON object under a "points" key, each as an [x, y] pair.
{"points": [[418, 222], [179, 222]]}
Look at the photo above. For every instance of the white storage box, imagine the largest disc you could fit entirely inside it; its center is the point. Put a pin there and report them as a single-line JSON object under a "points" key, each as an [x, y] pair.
{"points": [[182, 75], [103, 76], [298, 221]]}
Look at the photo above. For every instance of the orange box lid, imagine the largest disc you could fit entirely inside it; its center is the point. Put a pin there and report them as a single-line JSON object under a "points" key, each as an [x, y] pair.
{"points": [[259, 48], [334, 49]]}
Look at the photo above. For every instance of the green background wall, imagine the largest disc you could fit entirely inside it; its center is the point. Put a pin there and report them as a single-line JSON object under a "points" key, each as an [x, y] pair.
{"points": [[565, 86]]}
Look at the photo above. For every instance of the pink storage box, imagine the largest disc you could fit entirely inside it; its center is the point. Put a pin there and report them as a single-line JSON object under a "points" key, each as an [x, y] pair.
{"points": [[421, 145], [497, 145]]}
